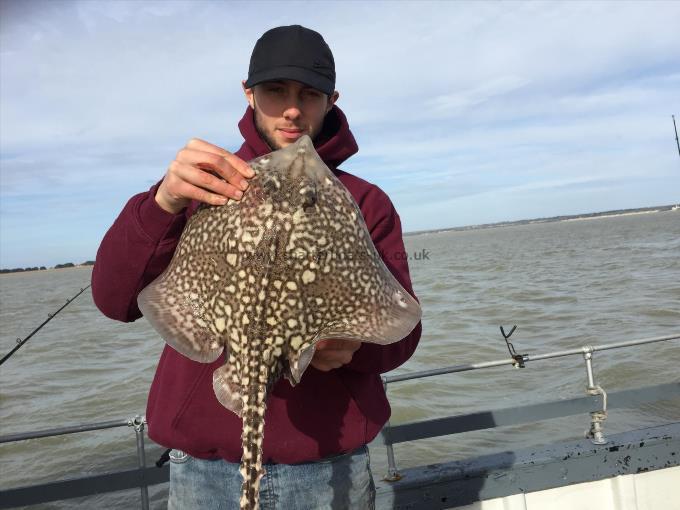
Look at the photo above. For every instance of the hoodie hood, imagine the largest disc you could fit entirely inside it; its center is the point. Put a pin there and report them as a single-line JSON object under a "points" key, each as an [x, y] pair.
{"points": [[335, 144]]}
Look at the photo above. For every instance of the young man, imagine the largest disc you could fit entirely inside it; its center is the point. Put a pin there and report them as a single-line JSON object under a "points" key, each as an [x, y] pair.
{"points": [[316, 432]]}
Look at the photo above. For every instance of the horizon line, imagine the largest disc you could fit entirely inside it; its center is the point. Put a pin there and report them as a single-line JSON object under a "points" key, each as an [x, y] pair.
{"points": [[508, 223]]}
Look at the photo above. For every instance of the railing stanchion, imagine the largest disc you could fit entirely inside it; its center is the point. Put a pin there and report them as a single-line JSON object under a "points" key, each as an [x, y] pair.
{"points": [[139, 422], [597, 418], [392, 471]]}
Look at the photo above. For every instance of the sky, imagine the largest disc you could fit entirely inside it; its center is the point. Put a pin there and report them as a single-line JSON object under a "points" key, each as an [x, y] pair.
{"points": [[465, 112]]}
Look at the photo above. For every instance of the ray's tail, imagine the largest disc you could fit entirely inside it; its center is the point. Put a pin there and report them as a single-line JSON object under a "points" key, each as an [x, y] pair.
{"points": [[254, 406]]}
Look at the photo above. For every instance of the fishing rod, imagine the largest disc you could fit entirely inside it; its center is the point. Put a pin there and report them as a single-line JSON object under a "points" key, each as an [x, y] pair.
{"points": [[50, 316], [676, 134]]}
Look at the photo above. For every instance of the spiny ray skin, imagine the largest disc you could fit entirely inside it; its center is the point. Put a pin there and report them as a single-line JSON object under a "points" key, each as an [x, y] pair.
{"points": [[260, 281]]}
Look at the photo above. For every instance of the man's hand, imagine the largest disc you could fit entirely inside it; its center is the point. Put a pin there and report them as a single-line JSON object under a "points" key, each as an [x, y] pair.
{"points": [[334, 353], [204, 172]]}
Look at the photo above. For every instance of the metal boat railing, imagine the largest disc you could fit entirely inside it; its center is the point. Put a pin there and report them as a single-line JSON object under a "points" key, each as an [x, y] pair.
{"points": [[86, 486], [596, 403], [456, 424]]}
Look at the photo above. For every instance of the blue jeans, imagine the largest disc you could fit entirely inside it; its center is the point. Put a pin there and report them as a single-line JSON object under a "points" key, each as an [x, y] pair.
{"points": [[342, 482]]}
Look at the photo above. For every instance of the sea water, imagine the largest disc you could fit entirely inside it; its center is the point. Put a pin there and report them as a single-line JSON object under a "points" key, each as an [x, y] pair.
{"points": [[564, 284]]}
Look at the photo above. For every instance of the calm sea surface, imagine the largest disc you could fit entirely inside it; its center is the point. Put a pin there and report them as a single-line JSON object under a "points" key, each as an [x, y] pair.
{"points": [[564, 284]]}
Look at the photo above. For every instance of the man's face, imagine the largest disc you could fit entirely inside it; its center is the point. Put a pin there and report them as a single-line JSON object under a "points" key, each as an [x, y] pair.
{"points": [[285, 110]]}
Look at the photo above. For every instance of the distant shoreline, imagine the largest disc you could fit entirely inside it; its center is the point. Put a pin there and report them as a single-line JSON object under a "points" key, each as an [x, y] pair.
{"points": [[574, 217], [44, 269], [612, 215]]}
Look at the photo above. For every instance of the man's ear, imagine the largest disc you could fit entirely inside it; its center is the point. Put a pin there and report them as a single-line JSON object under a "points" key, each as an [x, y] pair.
{"points": [[331, 100], [250, 94]]}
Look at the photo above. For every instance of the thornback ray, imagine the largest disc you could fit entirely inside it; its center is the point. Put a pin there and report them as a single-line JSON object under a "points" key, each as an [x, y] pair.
{"points": [[262, 280]]}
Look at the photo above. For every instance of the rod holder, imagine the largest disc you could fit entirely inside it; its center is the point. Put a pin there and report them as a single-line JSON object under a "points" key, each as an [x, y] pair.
{"points": [[597, 418]]}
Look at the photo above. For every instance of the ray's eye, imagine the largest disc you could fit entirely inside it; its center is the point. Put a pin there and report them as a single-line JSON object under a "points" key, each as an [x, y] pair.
{"points": [[308, 195]]}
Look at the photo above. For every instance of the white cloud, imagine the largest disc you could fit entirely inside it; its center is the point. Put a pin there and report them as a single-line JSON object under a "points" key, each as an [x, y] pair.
{"points": [[447, 99], [459, 101]]}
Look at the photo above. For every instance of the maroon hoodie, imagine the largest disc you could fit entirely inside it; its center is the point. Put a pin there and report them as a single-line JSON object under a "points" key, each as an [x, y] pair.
{"points": [[327, 412]]}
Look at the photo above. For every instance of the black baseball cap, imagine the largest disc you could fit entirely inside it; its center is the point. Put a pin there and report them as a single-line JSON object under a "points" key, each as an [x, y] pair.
{"points": [[293, 53]]}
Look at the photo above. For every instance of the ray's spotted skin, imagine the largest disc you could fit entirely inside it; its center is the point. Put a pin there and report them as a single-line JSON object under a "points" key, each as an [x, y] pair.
{"points": [[262, 280]]}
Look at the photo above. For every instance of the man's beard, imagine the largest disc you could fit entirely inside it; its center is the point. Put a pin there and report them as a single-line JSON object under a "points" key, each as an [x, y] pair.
{"points": [[273, 145], [268, 139]]}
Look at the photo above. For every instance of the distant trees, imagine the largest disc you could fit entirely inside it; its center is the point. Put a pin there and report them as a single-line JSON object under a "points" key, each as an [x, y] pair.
{"points": [[22, 269], [43, 268]]}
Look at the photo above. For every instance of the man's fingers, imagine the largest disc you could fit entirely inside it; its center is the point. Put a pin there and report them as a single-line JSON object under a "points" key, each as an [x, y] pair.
{"points": [[240, 165], [328, 360], [196, 145], [202, 145], [201, 182], [325, 367], [201, 195], [337, 344], [204, 172], [217, 165], [334, 353]]}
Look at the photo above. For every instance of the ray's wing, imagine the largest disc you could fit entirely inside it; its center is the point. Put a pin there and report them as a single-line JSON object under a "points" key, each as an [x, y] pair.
{"points": [[339, 285], [366, 302], [180, 303], [179, 317]]}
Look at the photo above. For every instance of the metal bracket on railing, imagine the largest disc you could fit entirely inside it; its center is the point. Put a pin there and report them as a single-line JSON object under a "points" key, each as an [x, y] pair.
{"points": [[520, 359], [597, 418], [393, 474], [139, 423]]}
